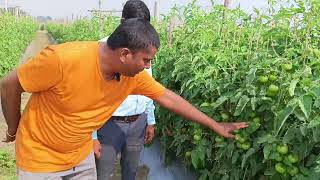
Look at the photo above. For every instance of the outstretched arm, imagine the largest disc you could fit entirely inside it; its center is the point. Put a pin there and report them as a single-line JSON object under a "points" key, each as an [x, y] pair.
{"points": [[177, 104]]}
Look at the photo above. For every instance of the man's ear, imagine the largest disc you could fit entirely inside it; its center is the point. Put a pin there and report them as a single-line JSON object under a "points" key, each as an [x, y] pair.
{"points": [[125, 53]]}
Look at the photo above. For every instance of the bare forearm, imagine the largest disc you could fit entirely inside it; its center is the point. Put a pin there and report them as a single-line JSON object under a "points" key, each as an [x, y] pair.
{"points": [[10, 102], [183, 108], [11, 110]]}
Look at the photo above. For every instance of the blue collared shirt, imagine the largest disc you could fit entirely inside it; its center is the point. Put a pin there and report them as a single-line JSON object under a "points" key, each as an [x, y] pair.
{"points": [[133, 105]]}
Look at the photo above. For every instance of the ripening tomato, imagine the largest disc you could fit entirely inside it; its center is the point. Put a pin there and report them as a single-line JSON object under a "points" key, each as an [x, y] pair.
{"points": [[280, 168]]}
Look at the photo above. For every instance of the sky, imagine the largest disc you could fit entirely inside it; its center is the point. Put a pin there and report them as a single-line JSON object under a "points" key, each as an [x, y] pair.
{"points": [[65, 8]]}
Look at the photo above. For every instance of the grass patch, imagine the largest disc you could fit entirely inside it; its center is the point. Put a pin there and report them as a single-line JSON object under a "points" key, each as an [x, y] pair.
{"points": [[7, 165]]}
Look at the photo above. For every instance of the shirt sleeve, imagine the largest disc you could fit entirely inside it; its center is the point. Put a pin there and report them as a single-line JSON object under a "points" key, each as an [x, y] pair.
{"points": [[94, 135], [41, 72], [147, 86], [150, 112]]}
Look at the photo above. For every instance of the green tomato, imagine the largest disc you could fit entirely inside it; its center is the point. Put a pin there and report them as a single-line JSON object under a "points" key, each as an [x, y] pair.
{"points": [[280, 168], [187, 154], [256, 119], [282, 149], [224, 116], [263, 79], [273, 77], [271, 94], [245, 145], [219, 139], [287, 67], [293, 158], [196, 137], [293, 170], [273, 88], [236, 131], [240, 138]]}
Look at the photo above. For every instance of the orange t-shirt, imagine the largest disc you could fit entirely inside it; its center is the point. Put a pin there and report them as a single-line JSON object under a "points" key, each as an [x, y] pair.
{"points": [[70, 99]]}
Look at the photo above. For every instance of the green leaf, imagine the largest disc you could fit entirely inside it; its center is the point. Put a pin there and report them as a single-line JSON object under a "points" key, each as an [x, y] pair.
{"points": [[253, 103], [241, 105], [195, 159], [293, 102], [220, 101], [236, 97], [204, 175], [235, 157], [292, 86], [266, 151], [209, 151], [299, 114], [282, 117], [291, 134], [311, 160], [304, 129], [307, 71], [225, 177], [251, 76], [316, 91], [316, 134], [317, 103], [202, 153], [266, 138], [314, 123], [245, 157], [305, 105], [205, 104]]}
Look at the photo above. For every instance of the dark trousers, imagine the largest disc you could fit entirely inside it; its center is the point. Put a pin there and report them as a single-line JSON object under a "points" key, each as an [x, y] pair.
{"points": [[125, 138]]}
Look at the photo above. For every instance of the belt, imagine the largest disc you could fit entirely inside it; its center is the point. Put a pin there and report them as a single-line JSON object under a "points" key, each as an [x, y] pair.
{"points": [[125, 119]]}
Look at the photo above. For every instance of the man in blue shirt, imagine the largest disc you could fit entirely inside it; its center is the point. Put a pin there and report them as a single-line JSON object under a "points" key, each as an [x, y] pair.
{"points": [[131, 125]]}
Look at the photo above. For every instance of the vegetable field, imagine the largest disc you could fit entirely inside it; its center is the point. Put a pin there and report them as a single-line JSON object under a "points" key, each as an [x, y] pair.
{"points": [[15, 35], [83, 29], [263, 68]]}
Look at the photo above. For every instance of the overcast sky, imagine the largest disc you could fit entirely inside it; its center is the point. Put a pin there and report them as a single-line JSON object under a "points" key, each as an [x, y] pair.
{"points": [[63, 8]]}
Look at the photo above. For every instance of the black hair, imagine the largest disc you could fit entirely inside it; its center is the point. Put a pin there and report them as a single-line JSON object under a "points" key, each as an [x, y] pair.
{"points": [[135, 34], [135, 9]]}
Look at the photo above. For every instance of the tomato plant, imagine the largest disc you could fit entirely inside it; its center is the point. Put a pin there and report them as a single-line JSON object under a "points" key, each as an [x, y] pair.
{"points": [[264, 70], [15, 35], [83, 29]]}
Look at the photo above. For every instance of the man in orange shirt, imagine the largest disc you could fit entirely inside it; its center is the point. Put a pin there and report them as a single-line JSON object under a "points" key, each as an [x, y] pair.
{"points": [[75, 87]]}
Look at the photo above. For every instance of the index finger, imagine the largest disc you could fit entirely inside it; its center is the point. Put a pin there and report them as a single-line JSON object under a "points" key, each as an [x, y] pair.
{"points": [[241, 125], [5, 141]]}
